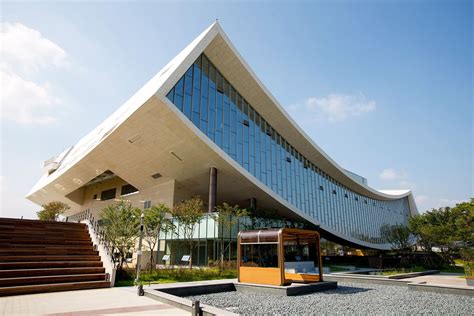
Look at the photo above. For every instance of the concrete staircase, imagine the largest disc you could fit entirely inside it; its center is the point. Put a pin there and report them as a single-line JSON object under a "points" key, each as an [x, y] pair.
{"points": [[41, 256]]}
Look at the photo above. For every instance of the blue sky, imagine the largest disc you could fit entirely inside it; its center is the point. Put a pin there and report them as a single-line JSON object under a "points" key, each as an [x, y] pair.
{"points": [[384, 87]]}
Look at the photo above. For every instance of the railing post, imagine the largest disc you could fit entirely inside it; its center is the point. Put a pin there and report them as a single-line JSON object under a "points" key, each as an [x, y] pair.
{"points": [[196, 308]]}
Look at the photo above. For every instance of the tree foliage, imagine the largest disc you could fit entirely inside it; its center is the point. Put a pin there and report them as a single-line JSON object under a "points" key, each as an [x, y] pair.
{"points": [[188, 213], [52, 210], [228, 216], [399, 236], [450, 229], [121, 224], [156, 220]]}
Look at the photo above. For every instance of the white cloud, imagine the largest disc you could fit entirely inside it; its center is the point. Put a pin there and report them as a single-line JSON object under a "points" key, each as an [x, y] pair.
{"points": [[398, 178], [448, 202], [404, 184], [427, 203], [335, 107], [392, 174], [25, 51], [25, 102], [26, 48], [419, 199]]}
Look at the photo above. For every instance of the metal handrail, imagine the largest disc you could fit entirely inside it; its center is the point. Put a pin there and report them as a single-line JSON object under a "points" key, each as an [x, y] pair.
{"points": [[99, 233]]}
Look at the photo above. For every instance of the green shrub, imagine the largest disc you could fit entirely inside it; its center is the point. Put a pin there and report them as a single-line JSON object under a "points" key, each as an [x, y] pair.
{"points": [[468, 258], [175, 275]]}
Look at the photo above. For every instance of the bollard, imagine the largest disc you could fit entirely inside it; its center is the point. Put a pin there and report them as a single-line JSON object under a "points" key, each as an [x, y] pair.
{"points": [[140, 290], [196, 309]]}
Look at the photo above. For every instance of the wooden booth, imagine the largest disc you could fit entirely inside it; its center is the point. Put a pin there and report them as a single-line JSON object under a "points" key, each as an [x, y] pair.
{"points": [[279, 256]]}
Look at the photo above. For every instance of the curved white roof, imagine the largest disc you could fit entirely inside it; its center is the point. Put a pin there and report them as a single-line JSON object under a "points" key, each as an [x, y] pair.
{"points": [[218, 48]]}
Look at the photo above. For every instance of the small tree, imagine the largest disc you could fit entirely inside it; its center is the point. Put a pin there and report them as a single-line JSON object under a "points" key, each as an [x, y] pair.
{"points": [[189, 213], [399, 236], [420, 227], [155, 221], [52, 210], [228, 216], [121, 224], [464, 214], [437, 228]]}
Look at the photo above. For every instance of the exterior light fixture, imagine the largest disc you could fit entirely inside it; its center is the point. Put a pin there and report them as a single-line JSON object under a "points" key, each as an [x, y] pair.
{"points": [[134, 139], [156, 175], [176, 156]]}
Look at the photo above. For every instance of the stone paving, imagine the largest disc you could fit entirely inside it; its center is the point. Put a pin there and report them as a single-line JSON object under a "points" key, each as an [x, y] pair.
{"points": [[111, 301], [444, 279]]}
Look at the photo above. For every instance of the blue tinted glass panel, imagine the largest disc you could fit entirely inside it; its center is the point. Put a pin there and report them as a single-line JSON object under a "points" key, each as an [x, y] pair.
{"points": [[205, 97]]}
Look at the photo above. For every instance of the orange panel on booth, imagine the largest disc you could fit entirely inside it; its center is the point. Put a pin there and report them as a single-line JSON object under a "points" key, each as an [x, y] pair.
{"points": [[279, 256]]}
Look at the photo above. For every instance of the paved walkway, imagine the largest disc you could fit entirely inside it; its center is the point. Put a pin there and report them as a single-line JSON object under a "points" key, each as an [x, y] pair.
{"points": [[112, 301], [444, 279]]}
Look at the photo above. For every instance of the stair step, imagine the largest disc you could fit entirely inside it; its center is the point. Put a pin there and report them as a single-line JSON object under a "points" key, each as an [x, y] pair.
{"points": [[49, 264], [43, 232], [50, 279], [42, 256], [46, 229], [36, 258], [32, 222], [8, 247], [33, 251], [58, 242], [39, 227], [30, 289], [53, 271], [45, 237]]}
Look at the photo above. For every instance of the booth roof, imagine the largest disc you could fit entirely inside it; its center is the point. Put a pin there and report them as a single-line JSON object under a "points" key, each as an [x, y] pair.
{"points": [[270, 235]]}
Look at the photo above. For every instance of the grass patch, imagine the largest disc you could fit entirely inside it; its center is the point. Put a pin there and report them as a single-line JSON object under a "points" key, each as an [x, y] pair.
{"points": [[395, 272], [451, 269], [126, 277], [399, 271]]}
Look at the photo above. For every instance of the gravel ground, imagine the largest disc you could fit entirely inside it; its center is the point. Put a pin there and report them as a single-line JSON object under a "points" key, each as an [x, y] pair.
{"points": [[347, 299]]}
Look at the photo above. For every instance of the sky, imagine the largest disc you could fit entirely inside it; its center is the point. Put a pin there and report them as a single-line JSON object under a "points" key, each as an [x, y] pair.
{"points": [[384, 87]]}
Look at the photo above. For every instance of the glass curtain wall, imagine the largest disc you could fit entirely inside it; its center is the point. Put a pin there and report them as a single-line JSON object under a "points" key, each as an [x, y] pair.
{"points": [[208, 236], [214, 106]]}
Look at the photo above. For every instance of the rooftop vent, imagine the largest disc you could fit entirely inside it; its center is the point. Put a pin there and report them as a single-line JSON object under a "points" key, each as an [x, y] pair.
{"points": [[50, 165]]}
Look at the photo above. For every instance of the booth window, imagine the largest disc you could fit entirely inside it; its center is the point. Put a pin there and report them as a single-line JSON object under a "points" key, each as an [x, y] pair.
{"points": [[260, 255]]}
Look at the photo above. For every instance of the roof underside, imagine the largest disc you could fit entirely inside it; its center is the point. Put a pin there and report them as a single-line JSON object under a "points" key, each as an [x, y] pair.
{"points": [[158, 130]]}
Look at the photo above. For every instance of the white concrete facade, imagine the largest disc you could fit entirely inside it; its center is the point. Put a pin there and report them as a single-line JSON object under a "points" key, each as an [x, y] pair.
{"points": [[149, 135]]}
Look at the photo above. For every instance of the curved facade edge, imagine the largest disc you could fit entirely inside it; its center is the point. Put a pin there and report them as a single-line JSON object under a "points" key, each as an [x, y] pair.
{"points": [[264, 188], [95, 137], [215, 30]]}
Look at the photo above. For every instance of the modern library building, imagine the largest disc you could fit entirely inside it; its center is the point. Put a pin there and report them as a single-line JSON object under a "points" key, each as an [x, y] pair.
{"points": [[206, 125]]}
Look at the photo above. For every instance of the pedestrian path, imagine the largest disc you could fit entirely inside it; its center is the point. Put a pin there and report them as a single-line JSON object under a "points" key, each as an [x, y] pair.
{"points": [[111, 301], [443, 279]]}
